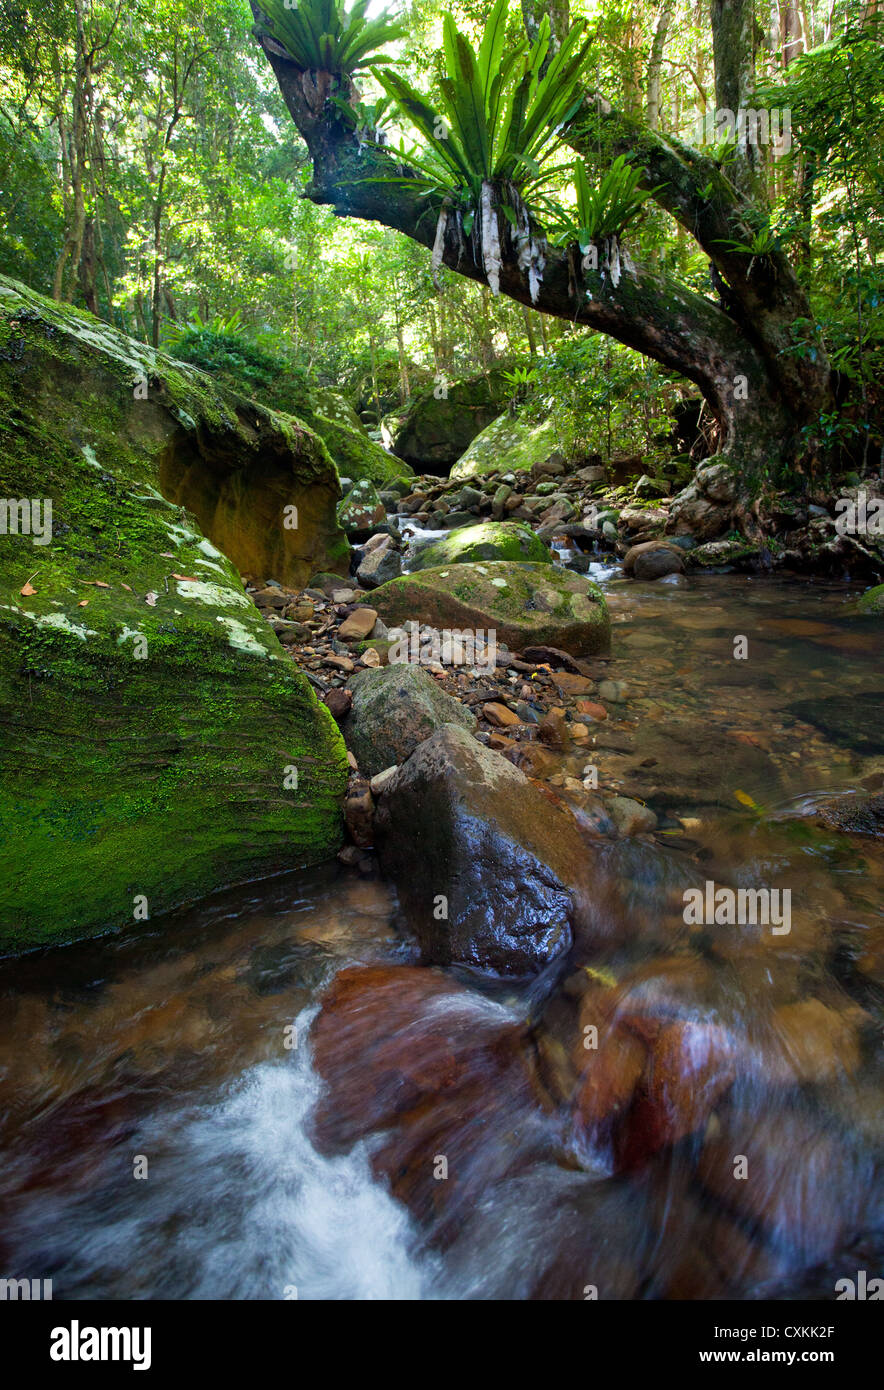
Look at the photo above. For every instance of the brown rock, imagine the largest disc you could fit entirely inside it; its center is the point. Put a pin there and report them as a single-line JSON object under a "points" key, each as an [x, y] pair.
{"points": [[553, 728], [500, 715], [568, 684], [358, 626], [339, 702], [359, 813], [590, 708]]}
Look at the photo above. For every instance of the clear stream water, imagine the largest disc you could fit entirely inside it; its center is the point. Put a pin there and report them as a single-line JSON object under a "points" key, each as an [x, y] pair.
{"points": [[169, 1040]]}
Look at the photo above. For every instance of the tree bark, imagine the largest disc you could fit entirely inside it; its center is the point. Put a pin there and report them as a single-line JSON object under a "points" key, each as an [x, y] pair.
{"points": [[740, 352], [655, 63]]}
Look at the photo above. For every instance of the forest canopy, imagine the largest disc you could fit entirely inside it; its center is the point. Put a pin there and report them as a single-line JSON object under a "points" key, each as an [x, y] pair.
{"points": [[154, 174]]}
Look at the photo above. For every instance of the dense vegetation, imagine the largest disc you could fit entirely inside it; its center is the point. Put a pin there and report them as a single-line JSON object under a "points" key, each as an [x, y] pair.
{"points": [[155, 176]]}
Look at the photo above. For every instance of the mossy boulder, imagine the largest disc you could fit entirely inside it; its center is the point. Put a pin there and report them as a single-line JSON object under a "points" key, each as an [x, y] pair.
{"points": [[524, 604], [153, 722], [357, 455], [489, 540], [361, 511], [436, 425], [509, 445], [394, 709], [242, 366], [872, 601]]}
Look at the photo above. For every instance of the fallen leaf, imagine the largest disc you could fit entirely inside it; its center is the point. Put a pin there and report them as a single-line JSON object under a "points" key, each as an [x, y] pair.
{"points": [[83, 603], [27, 589], [151, 599], [166, 555], [189, 577], [127, 587]]}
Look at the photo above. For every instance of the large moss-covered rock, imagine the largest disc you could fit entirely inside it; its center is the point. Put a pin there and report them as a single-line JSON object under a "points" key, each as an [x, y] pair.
{"points": [[153, 724], [433, 429], [489, 540], [510, 444], [357, 456], [523, 604], [872, 601], [241, 365]]}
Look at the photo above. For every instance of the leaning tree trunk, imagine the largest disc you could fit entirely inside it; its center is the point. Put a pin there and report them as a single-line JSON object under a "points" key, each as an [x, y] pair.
{"points": [[745, 352]]}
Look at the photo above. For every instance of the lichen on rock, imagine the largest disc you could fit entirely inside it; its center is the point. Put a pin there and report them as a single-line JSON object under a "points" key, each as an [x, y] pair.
{"points": [[151, 713]]}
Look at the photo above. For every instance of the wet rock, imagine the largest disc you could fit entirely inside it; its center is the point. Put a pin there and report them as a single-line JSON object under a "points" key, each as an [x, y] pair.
{"points": [[806, 1191], [499, 715], [441, 1072], [855, 815], [488, 872], [394, 709], [855, 723], [691, 1064], [631, 817], [806, 1042], [652, 560]]}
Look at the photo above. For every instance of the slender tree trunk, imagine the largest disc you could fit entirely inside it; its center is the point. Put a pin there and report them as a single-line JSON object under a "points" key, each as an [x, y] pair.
{"points": [[655, 64]]}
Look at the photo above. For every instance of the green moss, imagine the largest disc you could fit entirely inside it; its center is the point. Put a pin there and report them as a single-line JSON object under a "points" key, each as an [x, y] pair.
{"points": [[509, 445], [489, 540], [522, 603], [151, 713], [872, 601]]}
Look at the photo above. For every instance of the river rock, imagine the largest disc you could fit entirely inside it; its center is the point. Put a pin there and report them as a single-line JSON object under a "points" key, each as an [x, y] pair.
{"points": [[653, 560], [693, 514], [524, 604], [361, 510], [490, 540], [488, 872], [154, 725], [379, 565], [858, 814], [394, 709], [631, 817], [433, 429]]}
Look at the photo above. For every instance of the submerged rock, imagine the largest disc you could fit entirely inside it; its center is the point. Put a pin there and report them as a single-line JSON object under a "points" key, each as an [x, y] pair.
{"points": [[490, 540], [523, 604], [856, 815], [394, 709], [159, 743], [489, 873]]}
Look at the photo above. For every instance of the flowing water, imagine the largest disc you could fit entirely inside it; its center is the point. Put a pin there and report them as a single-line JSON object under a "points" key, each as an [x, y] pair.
{"points": [[186, 1044]]}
